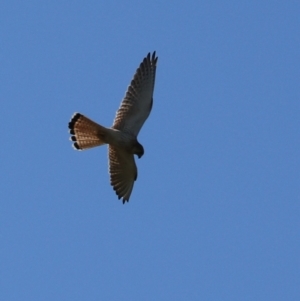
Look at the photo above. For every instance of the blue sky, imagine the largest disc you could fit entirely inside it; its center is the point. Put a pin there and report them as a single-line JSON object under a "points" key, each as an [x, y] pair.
{"points": [[214, 214]]}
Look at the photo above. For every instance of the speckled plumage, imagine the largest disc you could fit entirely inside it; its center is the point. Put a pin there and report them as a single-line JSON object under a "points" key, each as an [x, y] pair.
{"points": [[122, 136]]}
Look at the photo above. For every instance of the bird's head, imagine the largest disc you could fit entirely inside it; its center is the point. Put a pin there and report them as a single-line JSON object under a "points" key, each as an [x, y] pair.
{"points": [[138, 149]]}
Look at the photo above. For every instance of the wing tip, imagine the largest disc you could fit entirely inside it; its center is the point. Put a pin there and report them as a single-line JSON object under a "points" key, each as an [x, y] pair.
{"points": [[122, 195], [123, 198], [152, 58], [124, 201]]}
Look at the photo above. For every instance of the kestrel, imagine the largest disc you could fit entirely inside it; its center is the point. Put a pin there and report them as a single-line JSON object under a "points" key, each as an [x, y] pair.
{"points": [[122, 136]]}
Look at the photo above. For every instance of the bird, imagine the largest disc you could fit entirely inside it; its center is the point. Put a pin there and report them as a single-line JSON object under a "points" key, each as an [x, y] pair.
{"points": [[121, 137]]}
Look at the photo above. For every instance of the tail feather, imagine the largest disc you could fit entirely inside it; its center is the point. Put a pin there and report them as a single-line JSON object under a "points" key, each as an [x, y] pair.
{"points": [[85, 132]]}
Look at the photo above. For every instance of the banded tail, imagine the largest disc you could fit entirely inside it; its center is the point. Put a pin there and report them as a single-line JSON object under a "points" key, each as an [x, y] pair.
{"points": [[85, 132]]}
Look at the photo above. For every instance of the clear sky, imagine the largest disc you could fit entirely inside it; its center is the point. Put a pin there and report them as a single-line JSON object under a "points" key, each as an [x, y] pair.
{"points": [[214, 214]]}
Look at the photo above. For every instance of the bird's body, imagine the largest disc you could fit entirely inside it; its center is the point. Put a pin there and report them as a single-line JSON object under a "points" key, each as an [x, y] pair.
{"points": [[122, 136]]}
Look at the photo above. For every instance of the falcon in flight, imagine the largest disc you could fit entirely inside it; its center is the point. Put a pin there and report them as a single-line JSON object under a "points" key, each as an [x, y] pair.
{"points": [[122, 136]]}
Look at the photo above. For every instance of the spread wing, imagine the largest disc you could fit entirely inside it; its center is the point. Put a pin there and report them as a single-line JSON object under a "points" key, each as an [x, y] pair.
{"points": [[137, 103], [123, 172]]}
